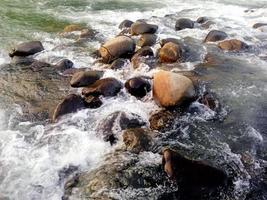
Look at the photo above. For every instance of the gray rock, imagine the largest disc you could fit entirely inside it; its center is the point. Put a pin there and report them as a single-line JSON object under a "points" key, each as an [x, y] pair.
{"points": [[85, 78], [184, 23], [27, 49]]}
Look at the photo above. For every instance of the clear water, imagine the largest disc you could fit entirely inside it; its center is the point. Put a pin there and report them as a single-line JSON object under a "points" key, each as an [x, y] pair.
{"points": [[32, 155]]}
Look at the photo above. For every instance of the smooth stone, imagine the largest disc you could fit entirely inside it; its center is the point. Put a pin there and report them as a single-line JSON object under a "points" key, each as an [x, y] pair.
{"points": [[202, 20], [215, 35], [125, 24], [167, 40], [161, 121], [64, 64], [118, 64], [184, 23], [27, 49], [232, 45], [138, 86], [107, 87], [138, 28], [170, 53], [85, 78], [147, 40]]}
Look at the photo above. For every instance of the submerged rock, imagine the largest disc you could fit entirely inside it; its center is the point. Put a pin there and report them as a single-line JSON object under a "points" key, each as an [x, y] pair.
{"points": [[38, 65], [27, 49], [137, 140], [147, 40], [184, 23], [116, 48], [141, 27], [215, 35], [72, 103], [125, 24], [92, 102], [162, 120], [107, 87], [138, 86], [85, 78], [110, 128], [232, 45], [63, 65], [170, 52], [137, 58], [72, 28], [170, 89]]}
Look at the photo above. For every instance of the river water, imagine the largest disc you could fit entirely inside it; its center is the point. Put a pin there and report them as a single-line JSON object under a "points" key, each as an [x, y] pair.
{"points": [[31, 155]]}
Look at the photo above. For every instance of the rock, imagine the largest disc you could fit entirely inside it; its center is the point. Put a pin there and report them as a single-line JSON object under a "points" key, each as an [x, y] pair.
{"points": [[147, 40], [191, 173], [209, 100], [63, 65], [184, 23], [167, 40], [258, 25], [138, 28], [232, 45], [38, 65], [161, 121], [72, 103], [116, 48], [125, 24], [137, 58], [215, 36], [170, 89], [136, 140], [72, 28], [27, 49], [202, 20], [85, 78], [92, 102], [170, 52], [106, 87], [114, 123], [138, 86], [87, 34], [118, 64], [71, 71]]}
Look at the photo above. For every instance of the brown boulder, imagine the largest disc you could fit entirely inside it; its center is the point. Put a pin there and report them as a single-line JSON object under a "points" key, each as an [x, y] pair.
{"points": [[170, 52], [136, 140], [147, 40], [141, 27], [215, 35], [170, 89], [116, 48], [85, 78], [106, 87], [232, 45], [72, 103]]}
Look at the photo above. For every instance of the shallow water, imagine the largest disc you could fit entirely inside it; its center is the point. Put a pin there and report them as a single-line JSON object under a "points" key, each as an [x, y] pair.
{"points": [[32, 155]]}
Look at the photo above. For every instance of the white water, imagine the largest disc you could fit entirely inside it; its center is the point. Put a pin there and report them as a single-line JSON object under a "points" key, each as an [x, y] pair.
{"points": [[30, 159]]}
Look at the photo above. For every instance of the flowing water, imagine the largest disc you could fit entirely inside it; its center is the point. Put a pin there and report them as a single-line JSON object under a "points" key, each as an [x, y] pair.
{"points": [[32, 155]]}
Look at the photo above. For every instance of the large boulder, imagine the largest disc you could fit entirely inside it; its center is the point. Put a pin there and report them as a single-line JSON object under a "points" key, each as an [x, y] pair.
{"points": [[147, 40], [170, 89], [184, 23], [141, 27], [72, 103], [170, 52], [106, 87], [215, 35], [232, 45], [138, 86], [116, 48], [137, 140], [85, 78], [27, 49], [125, 24], [112, 125]]}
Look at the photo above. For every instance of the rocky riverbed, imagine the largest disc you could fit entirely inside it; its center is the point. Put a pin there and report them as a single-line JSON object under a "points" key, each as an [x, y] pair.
{"points": [[152, 106]]}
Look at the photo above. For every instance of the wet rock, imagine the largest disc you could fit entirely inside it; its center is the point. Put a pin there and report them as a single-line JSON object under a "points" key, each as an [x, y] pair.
{"points": [[209, 100], [258, 25], [140, 27], [202, 20], [215, 36], [167, 40], [71, 104], [184, 23], [116, 122], [161, 121], [232, 45], [116, 48], [170, 52], [125, 24], [71, 71], [118, 64], [137, 58], [138, 86], [39, 65], [106, 87], [92, 102], [27, 49], [137, 140], [63, 65], [191, 173], [72, 28], [170, 89], [147, 40], [85, 78], [88, 33]]}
